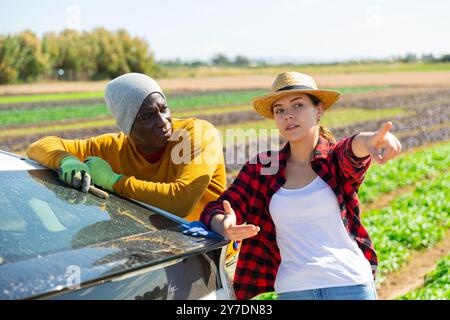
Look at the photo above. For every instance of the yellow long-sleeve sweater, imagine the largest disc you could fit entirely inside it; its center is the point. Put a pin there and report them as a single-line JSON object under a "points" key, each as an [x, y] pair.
{"points": [[180, 188]]}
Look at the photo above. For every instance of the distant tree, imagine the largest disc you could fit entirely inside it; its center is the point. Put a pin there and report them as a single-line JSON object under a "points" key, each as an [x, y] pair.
{"points": [[110, 61], [119, 53], [445, 58], [71, 55], [21, 58], [99, 54], [197, 63], [31, 60], [261, 63], [8, 46], [220, 60], [180, 63], [410, 57], [51, 47], [137, 54], [428, 58], [175, 62], [241, 61]]}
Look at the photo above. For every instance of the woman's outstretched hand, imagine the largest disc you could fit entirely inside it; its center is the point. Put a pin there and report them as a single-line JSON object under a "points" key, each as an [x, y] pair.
{"points": [[229, 229], [383, 145]]}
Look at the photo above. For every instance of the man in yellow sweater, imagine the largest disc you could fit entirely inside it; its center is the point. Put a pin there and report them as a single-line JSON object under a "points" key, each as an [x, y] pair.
{"points": [[176, 165]]}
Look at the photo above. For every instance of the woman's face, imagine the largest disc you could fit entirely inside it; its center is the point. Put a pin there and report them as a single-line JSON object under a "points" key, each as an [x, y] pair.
{"points": [[296, 116]]}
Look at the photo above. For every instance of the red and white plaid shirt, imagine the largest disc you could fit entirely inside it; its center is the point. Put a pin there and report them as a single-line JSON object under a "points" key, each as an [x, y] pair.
{"points": [[250, 195]]}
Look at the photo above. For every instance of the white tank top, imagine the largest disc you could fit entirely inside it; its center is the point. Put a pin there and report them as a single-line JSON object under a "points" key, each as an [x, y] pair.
{"points": [[316, 250]]}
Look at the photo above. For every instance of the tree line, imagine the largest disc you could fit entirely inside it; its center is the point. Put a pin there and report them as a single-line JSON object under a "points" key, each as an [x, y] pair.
{"points": [[222, 60], [219, 59], [101, 54], [72, 55]]}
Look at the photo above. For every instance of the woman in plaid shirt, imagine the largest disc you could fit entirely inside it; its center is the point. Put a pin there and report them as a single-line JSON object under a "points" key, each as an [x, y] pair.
{"points": [[297, 210]]}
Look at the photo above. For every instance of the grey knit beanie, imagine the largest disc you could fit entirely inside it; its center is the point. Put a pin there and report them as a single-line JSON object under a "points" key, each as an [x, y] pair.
{"points": [[124, 96]]}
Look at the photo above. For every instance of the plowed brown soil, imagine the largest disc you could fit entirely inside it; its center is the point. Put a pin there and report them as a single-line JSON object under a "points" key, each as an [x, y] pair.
{"points": [[245, 82]]}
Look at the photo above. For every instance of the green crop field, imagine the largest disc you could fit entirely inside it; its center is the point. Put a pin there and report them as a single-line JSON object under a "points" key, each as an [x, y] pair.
{"points": [[177, 72], [405, 170], [14, 117], [63, 118], [181, 106], [413, 221], [405, 202], [50, 97], [186, 101], [436, 284]]}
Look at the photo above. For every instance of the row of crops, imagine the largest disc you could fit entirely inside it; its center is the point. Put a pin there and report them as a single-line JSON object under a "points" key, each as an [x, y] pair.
{"points": [[16, 110], [22, 124], [412, 221], [417, 183], [436, 284], [24, 119], [177, 100]]}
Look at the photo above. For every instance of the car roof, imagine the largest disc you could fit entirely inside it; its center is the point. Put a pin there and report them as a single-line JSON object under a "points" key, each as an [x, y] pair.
{"points": [[45, 274], [48, 275], [10, 162]]}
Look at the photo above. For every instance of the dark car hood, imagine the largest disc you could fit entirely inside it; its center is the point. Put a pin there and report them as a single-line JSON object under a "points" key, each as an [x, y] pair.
{"points": [[42, 275]]}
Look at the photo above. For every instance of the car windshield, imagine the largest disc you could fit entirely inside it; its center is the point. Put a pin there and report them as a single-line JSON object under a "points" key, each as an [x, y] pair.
{"points": [[40, 215]]}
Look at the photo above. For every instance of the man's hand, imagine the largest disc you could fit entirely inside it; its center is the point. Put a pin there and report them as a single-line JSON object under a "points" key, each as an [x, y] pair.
{"points": [[228, 228], [383, 145], [74, 172], [101, 173], [71, 196]]}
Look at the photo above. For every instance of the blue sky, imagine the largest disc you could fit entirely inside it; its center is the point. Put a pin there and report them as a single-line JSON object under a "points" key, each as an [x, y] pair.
{"points": [[297, 30]]}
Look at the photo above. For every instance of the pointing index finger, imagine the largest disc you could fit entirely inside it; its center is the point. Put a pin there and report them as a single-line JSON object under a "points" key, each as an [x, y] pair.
{"points": [[385, 129]]}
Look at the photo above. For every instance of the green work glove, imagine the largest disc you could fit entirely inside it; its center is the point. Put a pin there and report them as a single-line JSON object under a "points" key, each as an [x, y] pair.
{"points": [[101, 173], [72, 171]]}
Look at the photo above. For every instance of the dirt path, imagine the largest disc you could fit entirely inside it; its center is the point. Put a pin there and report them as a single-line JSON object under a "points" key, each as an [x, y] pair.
{"points": [[245, 82], [411, 275]]}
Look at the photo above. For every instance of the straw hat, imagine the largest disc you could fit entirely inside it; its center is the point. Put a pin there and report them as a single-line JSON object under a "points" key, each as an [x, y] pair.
{"points": [[289, 83]]}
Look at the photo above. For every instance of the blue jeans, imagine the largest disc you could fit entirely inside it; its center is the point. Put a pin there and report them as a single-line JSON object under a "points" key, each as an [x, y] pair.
{"points": [[364, 291]]}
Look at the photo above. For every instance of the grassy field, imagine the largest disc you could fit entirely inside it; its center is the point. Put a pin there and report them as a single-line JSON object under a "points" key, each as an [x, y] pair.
{"points": [[181, 72], [16, 117], [176, 101], [50, 97], [189, 105], [54, 118], [60, 126]]}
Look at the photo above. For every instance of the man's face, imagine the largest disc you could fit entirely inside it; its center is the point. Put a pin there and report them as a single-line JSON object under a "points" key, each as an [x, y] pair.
{"points": [[152, 126]]}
